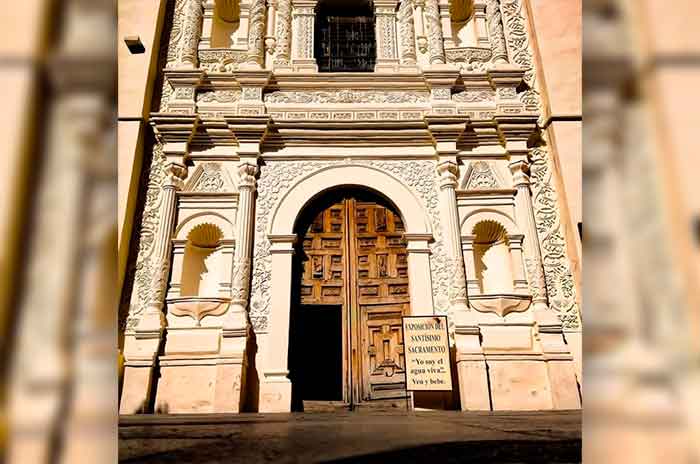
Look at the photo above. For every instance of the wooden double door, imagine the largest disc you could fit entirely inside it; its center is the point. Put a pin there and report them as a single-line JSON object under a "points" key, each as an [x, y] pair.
{"points": [[351, 283]]}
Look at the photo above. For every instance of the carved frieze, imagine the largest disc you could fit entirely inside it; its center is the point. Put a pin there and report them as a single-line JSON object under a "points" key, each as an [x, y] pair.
{"points": [[469, 58], [221, 60], [219, 96], [485, 95], [346, 96]]}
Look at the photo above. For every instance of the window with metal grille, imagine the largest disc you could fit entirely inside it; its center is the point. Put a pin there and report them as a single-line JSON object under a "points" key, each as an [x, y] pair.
{"points": [[345, 43]]}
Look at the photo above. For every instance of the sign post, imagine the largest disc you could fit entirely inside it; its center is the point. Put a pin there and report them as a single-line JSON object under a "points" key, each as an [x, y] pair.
{"points": [[426, 353]]}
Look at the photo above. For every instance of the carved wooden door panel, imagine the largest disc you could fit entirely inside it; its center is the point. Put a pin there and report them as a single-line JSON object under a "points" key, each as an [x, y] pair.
{"points": [[353, 257], [380, 271]]}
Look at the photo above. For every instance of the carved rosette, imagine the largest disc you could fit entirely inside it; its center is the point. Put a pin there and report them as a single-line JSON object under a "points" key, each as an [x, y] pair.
{"points": [[407, 34], [435, 43], [256, 33], [496, 35], [284, 33], [186, 31]]}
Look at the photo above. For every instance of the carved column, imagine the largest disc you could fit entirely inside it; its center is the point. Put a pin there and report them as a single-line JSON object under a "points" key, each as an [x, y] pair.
{"points": [[407, 35], [303, 46], [256, 34], [141, 347], [385, 33], [449, 173], [436, 47], [496, 35], [284, 34], [188, 30], [270, 40], [526, 219], [244, 242], [480, 23], [421, 39]]}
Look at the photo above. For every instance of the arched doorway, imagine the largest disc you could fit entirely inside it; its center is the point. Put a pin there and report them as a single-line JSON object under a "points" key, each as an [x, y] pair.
{"points": [[350, 289], [345, 37]]}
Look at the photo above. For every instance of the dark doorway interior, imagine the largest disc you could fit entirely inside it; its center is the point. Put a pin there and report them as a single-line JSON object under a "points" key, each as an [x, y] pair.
{"points": [[316, 354]]}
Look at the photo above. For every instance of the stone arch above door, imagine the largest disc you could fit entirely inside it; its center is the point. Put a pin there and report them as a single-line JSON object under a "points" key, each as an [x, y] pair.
{"points": [[306, 189], [275, 388]]}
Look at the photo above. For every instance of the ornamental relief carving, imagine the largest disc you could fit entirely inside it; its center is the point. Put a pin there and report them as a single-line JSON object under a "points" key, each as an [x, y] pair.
{"points": [[256, 32], [407, 33], [558, 276], [185, 33], [221, 60], [145, 269], [475, 96], [346, 96], [518, 44], [219, 96], [481, 175], [284, 32], [275, 180], [469, 58]]}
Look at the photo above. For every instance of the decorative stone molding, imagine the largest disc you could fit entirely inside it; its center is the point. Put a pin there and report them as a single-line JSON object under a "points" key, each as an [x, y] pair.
{"points": [[501, 304], [219, 96], [209, 178], [480, 176], [270, 38], [198, 308], [219, 60], [469, 58], [476, 95], [346, 96], [185, 34]]}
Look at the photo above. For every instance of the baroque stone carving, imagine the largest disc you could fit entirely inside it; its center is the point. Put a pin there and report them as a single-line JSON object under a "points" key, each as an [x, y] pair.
{"points": [[385, 29], [518, 45], [221, 60], [185, 34], [198, 308], [496, 36], [558, 276], [469, 58], [144, 270], [346, 96], [208, 178], [475, 95], [219, 96], [284, 32], [407, 33], [275, 180], [256, 32], [480, 175], [435, 44]]}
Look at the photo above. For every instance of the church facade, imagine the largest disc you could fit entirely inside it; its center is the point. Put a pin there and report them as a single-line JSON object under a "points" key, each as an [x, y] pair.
{"points": [[321, 169]]}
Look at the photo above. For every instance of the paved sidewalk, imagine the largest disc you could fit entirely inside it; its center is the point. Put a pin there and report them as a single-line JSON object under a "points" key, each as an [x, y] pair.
{"points": [[349, 437]]}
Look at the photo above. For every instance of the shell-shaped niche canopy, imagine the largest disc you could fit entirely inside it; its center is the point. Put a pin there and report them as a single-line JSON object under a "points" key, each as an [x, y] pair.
{"points": [[205, 235]]}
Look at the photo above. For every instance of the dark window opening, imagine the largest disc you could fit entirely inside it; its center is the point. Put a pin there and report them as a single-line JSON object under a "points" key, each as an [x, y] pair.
{"points": [[345, 39]]}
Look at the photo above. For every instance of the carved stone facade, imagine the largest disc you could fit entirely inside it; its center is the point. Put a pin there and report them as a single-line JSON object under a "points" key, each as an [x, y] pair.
{"points": [[249, 135]]}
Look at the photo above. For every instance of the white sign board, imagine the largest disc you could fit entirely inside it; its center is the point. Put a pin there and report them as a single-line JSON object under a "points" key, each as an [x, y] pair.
{"points": [[427, 353]]}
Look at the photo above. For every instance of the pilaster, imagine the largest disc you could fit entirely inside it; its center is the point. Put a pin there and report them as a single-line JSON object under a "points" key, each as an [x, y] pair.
{"points": [[303, 17], [283, 45], [385, 33], [252, 83], [141, 346]]}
